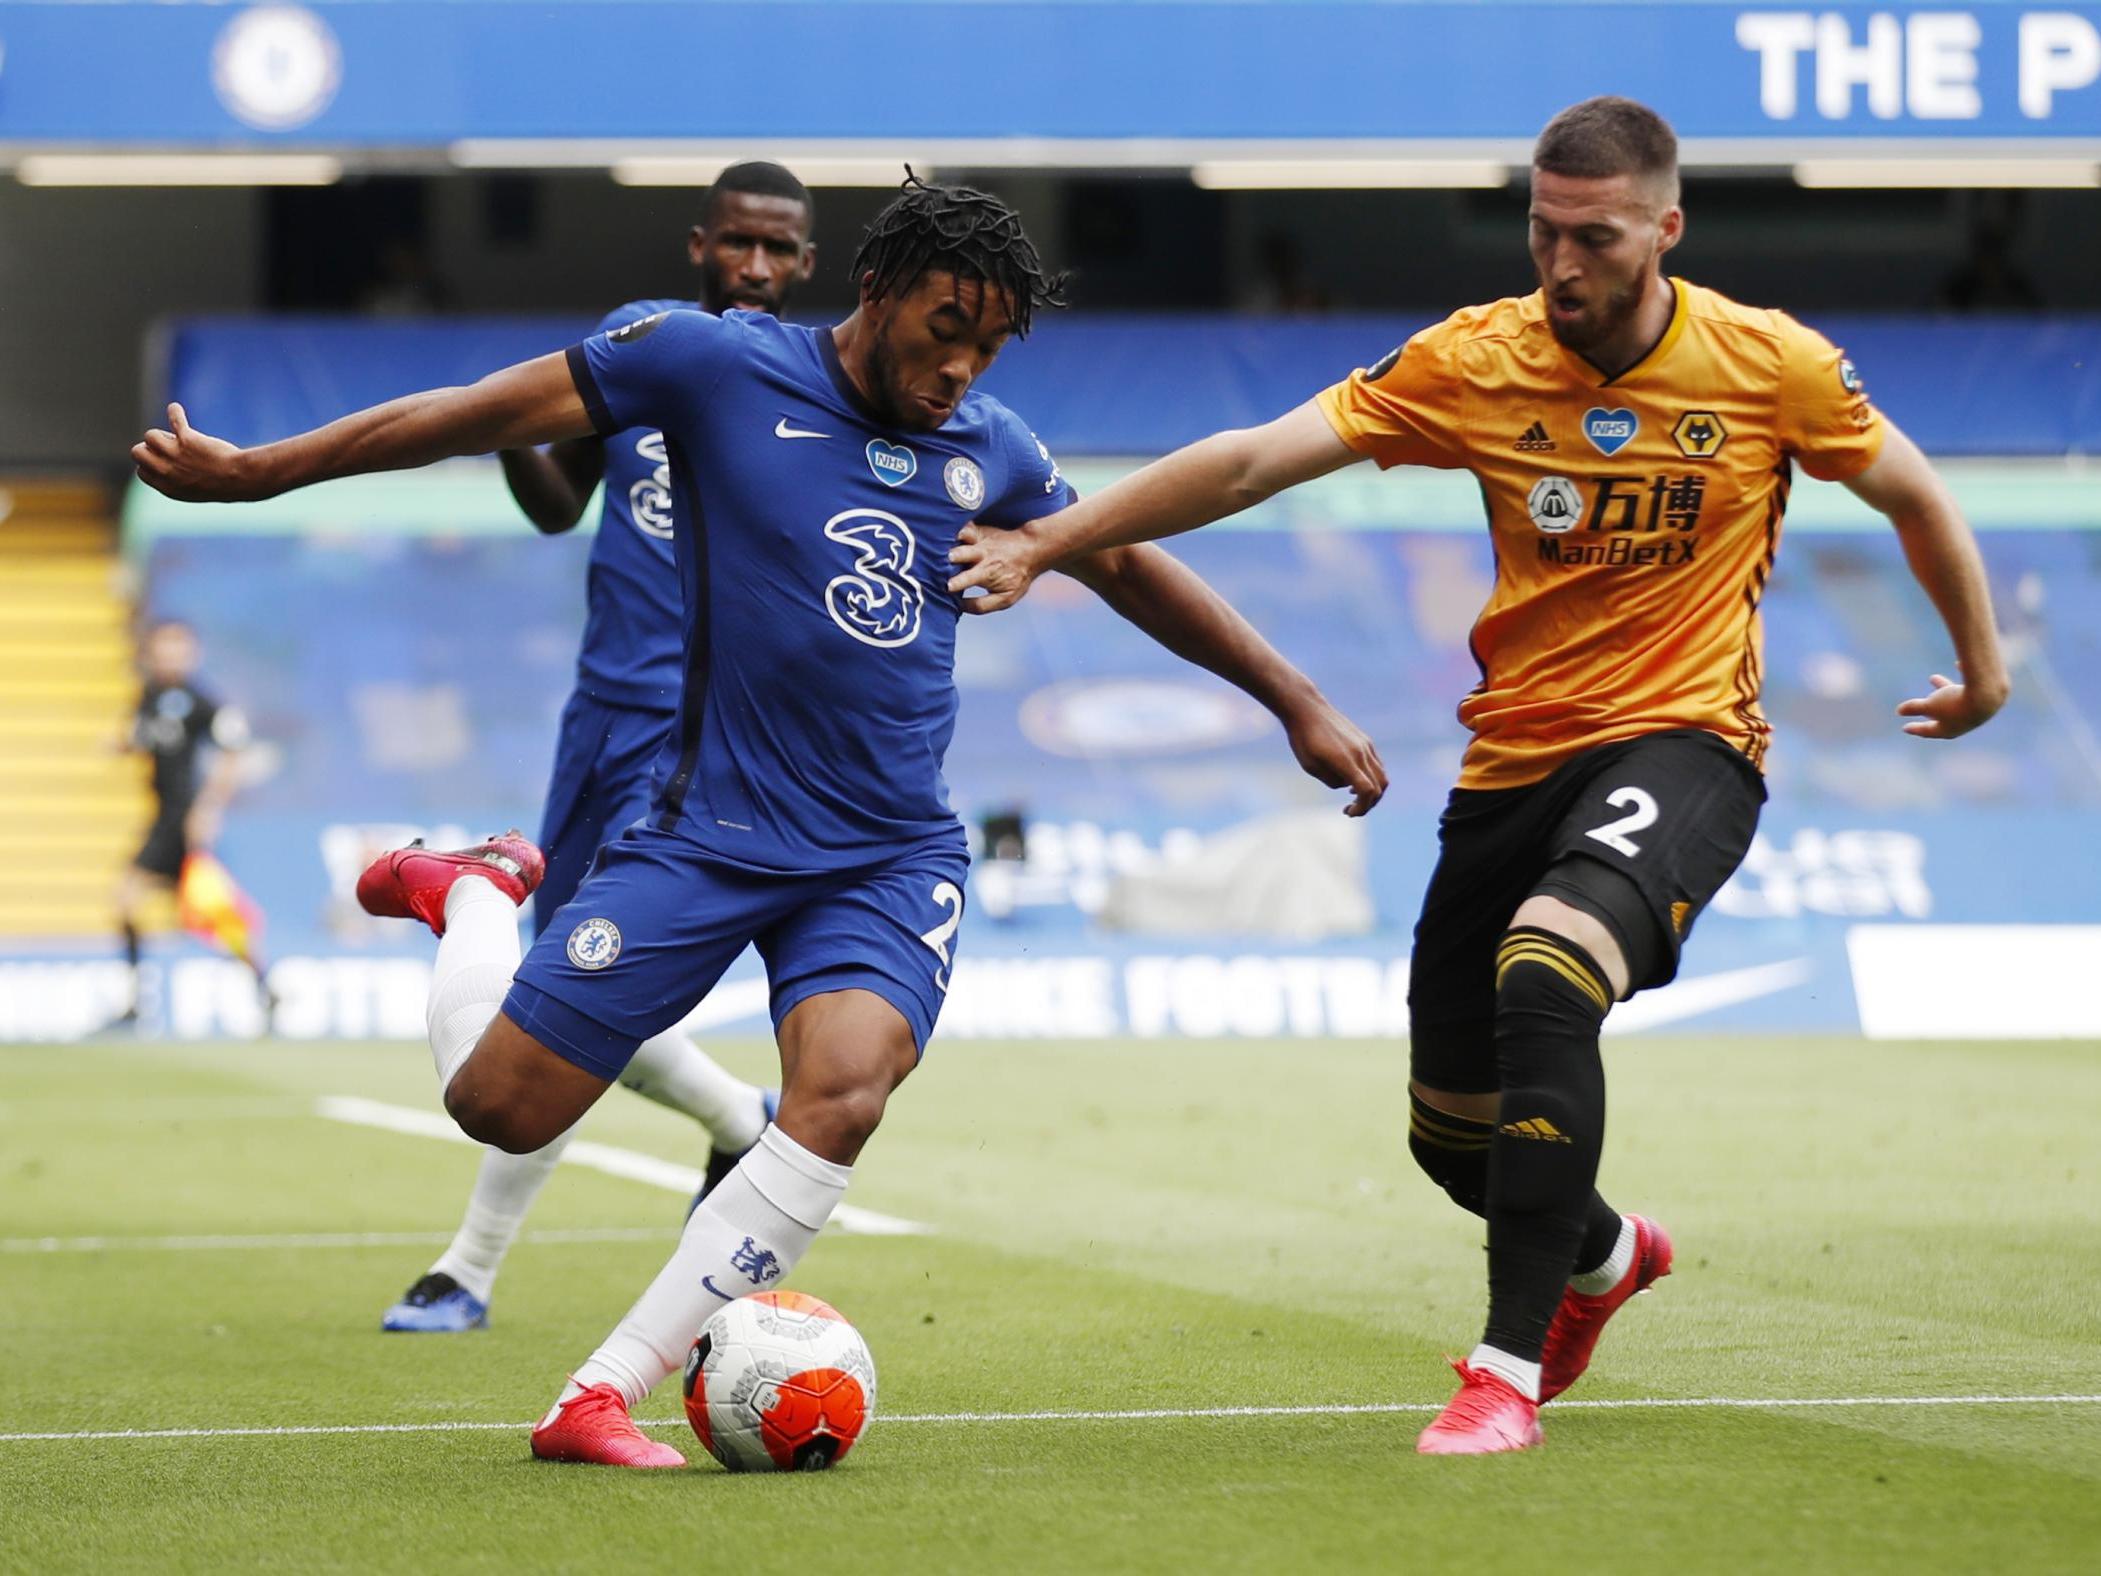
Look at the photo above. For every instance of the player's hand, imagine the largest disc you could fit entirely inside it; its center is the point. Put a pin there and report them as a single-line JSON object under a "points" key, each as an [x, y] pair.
{"points": [[191, 466], [1951, 710], [1002, 564], [1335, 751]]}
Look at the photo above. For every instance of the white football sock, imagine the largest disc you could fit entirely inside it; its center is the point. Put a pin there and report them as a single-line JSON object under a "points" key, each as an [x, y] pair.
{"points": [[1597, 1282], [477, 956], [1521, 1376], [504, 1189], [671, 1070], [758, 1222]]}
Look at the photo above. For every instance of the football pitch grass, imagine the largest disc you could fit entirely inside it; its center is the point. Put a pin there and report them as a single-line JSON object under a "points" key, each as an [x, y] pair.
{"points": [[1165, 1228]]}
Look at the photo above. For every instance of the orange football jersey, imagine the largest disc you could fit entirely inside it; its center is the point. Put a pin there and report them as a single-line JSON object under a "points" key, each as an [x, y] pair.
{"points": [[1634, 518]]}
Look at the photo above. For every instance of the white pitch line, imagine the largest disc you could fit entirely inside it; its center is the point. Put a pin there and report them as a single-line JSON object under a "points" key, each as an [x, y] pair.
{"points": [[153, 1108], [1139, 1415], [630, 1164], [1380, 1408], [319, 1239]]}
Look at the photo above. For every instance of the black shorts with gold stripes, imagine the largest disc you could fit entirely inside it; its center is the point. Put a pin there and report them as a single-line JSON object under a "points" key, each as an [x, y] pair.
{"points": [[1640, 833]]}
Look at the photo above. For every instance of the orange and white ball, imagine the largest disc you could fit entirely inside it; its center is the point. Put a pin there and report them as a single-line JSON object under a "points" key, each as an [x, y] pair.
{"points": [[779, 1382]]}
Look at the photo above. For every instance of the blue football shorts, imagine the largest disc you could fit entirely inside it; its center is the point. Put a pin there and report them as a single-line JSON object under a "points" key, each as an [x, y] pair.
{"points": [[658, 920], [600, 785]]}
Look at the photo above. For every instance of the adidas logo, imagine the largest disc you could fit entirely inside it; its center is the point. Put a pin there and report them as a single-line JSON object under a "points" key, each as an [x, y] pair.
{"points": [[1534, 440], [1537, 1127]]}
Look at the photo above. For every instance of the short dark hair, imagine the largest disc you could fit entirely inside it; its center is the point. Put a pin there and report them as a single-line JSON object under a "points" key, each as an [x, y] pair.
{"points": [[1608, 136], [957, 230], [757, 178]]}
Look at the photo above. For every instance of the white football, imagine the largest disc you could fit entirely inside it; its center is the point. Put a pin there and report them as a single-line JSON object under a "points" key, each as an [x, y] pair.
{"points": [[779, 1383]]}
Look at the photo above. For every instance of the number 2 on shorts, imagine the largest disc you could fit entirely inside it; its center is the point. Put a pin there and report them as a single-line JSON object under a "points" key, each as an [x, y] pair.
{"points": [[1613, 834], [946, 895]]}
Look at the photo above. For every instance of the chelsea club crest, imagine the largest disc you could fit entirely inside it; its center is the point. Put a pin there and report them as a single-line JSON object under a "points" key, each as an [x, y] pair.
{"points": [[965, 483], [594, 944]]}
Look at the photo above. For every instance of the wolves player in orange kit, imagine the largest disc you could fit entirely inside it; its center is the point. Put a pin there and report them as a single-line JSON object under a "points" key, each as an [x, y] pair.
{"points": [[1634, 436]]}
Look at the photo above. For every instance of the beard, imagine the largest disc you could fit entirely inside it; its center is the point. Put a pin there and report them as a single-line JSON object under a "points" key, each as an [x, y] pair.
{"points": [[1601, 321], [716, 296], [887, 391]]}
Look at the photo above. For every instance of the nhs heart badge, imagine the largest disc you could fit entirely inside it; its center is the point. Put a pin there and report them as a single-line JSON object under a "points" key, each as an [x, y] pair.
{"points": [[893, 463], [1609, 431]]}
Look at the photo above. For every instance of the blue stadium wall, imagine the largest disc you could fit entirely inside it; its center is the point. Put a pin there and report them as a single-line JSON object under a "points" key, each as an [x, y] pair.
{"points": [[403, 646]]}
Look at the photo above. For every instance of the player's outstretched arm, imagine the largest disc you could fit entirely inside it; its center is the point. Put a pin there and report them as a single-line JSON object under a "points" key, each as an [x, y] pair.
{"points": [[1210, 479], [553, 485], [1945, 561], [533, 402], [1172, 603]]}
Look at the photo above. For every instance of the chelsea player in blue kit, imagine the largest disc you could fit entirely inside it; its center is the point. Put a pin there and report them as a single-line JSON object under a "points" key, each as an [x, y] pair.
{"points": [[819, 479], [751, 248]]}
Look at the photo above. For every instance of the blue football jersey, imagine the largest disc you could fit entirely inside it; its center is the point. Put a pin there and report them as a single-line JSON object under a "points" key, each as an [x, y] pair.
{"points": [[813, 545], [632, 630]]}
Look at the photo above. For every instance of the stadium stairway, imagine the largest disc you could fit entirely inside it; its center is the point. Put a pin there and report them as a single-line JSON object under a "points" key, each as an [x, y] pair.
{"points": [[71, 808]]}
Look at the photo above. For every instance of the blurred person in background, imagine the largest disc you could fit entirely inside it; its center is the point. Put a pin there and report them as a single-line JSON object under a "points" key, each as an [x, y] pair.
{"points": [[1634, 437], [178, 720], [751, 249]]}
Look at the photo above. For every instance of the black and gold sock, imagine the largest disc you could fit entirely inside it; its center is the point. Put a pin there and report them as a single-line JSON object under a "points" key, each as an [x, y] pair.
{"points": [[1453, 1152], [1551, 1000]]}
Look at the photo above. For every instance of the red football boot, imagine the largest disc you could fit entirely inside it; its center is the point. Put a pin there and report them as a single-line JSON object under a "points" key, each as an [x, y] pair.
{"points": [[1487, 1416], [411, 882], [593, 1426], [1580, 1320]]}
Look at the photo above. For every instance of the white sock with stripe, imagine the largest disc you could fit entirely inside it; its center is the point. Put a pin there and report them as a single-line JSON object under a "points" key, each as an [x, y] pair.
{"points": [[745, 1237], [477, 956]]}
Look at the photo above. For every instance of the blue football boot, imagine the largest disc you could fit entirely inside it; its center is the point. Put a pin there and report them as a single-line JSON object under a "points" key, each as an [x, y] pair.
{"points": [[721, 1162], [436, 1304]]}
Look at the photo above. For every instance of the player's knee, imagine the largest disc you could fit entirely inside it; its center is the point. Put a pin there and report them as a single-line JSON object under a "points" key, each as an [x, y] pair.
{"points": [[1543, 976], [494, 1115], [514, 1132], [1452, 1151], [844, 1119], [833, 1116], [472, 1109]]}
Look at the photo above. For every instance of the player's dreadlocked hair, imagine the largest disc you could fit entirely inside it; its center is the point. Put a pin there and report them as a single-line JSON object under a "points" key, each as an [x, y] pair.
{"points": [[971, 234]]}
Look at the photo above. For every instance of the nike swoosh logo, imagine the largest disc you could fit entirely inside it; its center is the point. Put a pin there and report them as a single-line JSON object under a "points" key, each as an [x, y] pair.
{"points": [[781, 429], [1686, 998], [726, 1296]]}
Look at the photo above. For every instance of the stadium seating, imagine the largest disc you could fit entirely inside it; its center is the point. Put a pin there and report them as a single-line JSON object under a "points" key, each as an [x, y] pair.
{"points": [[71, 808]]}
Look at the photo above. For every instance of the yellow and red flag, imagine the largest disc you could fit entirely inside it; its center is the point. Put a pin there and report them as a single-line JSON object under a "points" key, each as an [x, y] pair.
{"points": [[210, 904]]}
